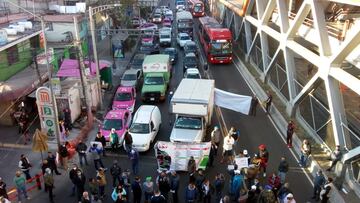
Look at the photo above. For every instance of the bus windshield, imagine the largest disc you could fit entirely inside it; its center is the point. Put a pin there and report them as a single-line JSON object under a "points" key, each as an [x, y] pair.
{"points": [[184, 24], [198, 8], [220, 48]]}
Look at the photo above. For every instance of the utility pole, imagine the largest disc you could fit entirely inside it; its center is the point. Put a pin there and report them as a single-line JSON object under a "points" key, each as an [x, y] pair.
{"points": [[33, 51], [83, 79]]}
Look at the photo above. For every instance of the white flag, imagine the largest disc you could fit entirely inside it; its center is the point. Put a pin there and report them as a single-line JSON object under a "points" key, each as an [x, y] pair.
{"points": [[235, 102]]}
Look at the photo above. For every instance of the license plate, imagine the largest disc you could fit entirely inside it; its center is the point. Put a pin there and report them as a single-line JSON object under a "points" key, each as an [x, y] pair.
{"points": [[152, 99], [221, 61]]}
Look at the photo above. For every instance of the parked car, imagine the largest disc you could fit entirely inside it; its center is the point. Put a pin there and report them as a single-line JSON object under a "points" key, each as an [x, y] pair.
{"points": [[137, 61], [182, 38], [148, 26], [124, 98], [119, 120], [190, 61], [150, 49], [190, 47], [172, 53], [192, 73], [157, 18], [145, 127], [131, 78]]}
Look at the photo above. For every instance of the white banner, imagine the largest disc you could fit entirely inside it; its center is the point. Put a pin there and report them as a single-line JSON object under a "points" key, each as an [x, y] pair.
{"points": [[235, 102], [175, 155]]}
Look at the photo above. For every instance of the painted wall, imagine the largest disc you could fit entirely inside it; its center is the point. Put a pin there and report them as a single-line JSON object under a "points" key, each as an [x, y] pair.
{"points": [[56, 35], [24, 60]]}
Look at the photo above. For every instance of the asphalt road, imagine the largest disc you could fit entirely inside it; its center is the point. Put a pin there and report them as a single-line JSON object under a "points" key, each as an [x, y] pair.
{"points": [[253, 131]]}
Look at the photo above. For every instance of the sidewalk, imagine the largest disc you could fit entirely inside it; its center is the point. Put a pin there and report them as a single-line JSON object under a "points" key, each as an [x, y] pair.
{"points": [[12, 145], [279, 117]]}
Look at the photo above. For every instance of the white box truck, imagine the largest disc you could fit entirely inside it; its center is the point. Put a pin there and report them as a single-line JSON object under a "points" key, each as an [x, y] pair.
{"points": [[192, 104]]}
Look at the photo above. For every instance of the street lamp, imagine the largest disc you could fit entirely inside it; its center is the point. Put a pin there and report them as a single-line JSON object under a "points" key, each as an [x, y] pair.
{"points": [[47, 67], [93, 11]]}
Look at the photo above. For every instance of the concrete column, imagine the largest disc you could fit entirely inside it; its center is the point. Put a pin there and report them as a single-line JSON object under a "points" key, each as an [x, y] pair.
{"points": [[336, 107]]}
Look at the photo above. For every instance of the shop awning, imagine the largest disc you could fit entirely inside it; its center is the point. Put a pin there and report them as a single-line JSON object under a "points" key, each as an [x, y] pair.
{"points": [[70, 68]]}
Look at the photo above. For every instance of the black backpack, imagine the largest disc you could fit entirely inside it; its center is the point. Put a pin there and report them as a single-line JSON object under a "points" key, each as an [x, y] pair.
{"points": [[63, 151]]}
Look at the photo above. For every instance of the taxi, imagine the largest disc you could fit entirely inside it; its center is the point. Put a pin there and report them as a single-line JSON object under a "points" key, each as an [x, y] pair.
{"points": [[124, 98], [120, 120]]}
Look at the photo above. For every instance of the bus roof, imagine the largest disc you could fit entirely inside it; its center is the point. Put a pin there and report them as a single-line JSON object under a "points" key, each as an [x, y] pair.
{"points": [[219, 33], [209, 22], [182, 15]]}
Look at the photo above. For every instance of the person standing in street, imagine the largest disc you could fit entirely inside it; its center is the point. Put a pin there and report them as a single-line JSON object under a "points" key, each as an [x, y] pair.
{"points": [[215, 138], [191, 168], [85, 198], [174, 186], [3, 192], [101, 179], [100, 138], [336, 156], [219, 184], [72, 176], [81, 149], [20, 184], [128, 141], [289, 133], [148, 186], [49, 183], [228, 149], [324, 194], [253, 105], [126, 183], [79, 182], [213, 149], [52, 162], [95, 152], [268, 102], [319, 181], [136, 189], [289, 198], [134, 157], [263, 154], [191, 193], [158, 197], [274, 182], [283, 168], [207, 190], [115, 172], [25, 166], [283, 191], [199, 180], [64, 154], [114, 139], [94, 189], [305, 153], [163, 184]]}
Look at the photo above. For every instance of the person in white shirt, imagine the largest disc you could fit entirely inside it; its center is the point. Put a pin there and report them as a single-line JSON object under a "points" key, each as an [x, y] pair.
{"points": [[289, 198], [228, 148]]}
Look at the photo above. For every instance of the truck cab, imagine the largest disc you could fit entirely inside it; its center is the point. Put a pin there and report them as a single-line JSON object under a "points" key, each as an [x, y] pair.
{"points": [[192, 104], [157, 73]]}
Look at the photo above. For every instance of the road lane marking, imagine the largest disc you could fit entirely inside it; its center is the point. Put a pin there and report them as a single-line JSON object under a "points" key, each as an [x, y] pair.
{"points": [[273, 123]]}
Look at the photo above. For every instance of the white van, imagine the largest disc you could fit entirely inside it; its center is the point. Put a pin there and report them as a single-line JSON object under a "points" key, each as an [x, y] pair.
{"points": [[165, 36], [145, 126]]}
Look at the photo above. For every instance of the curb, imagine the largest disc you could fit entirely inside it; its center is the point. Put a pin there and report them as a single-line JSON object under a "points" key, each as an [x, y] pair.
{"points": [[280, 124]]}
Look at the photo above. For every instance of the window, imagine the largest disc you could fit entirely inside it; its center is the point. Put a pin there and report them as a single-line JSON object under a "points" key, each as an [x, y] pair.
{"points": [[35, 42], [50, 26], [12, 55]]}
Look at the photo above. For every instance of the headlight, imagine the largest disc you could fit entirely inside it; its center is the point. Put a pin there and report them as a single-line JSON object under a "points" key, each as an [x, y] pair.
{"points": [[172, 59]]}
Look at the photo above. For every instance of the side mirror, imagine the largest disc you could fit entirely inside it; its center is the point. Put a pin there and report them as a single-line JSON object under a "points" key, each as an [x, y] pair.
{"points": [[154, 129]]}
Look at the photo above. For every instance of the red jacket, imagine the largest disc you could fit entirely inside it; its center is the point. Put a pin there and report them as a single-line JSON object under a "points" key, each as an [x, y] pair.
{"points": [[274, 181]]}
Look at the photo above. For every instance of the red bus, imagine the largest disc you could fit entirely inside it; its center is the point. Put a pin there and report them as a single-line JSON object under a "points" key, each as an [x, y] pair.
{"points": [[216, 40], [196, 7]]}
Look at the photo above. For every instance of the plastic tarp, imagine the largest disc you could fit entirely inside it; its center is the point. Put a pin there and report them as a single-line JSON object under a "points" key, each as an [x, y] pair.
{"points": [[70, 68], [235, 102]]}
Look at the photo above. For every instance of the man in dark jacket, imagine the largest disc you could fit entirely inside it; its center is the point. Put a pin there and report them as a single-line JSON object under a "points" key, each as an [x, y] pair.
{"points": [[100, 138], [336, 156], [283, 169], [115, 172], [79, 181], [199, 180], [52, 162], [163, 184], [24, 165], [174, 186], [72, 176], [219, 186], [128, 142], [3, 191], [191, 193], [319, 181], [81, 150], [137, 191]]}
